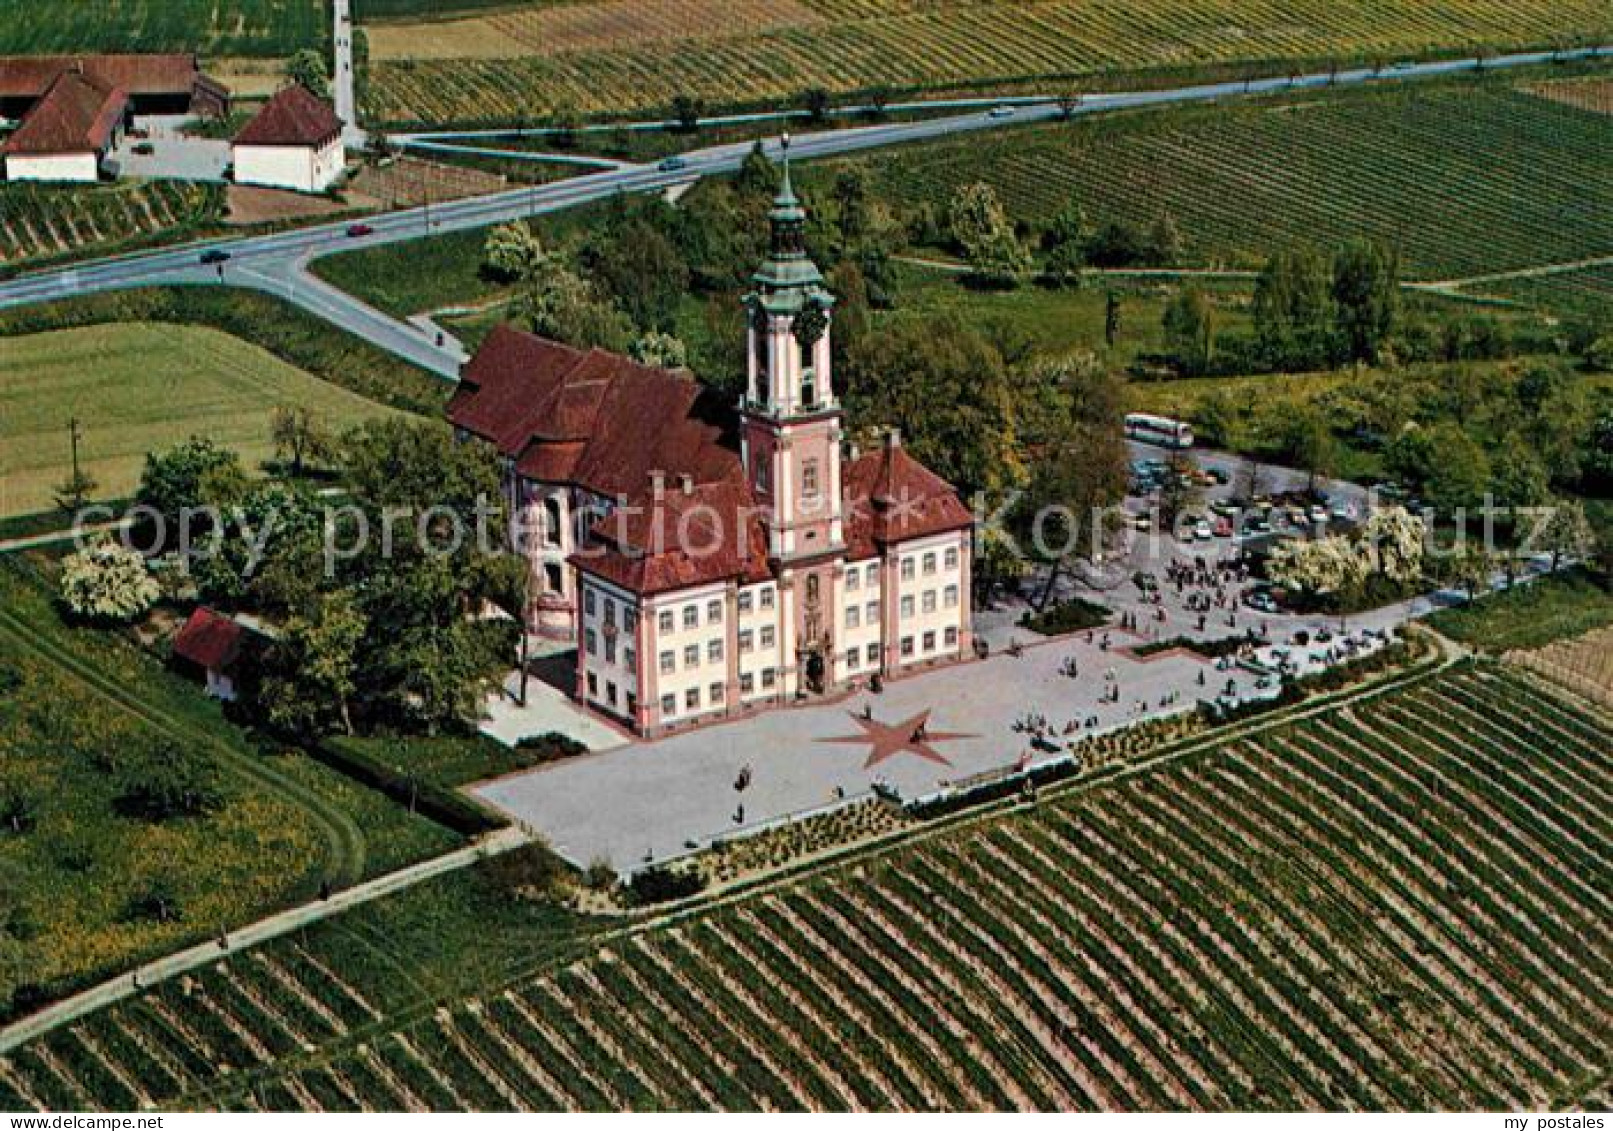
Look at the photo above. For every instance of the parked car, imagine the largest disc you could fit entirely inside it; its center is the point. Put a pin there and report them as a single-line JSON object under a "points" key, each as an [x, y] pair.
{"points": [[144, 148], [1223, 527], [215, 255], [358, 230]]}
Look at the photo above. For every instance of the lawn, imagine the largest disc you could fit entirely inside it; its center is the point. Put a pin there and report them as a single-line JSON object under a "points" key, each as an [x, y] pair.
{"points": [[134, 388], [613, 57], [76, 705], [1530, 616], [408, 278], [213, 27]]}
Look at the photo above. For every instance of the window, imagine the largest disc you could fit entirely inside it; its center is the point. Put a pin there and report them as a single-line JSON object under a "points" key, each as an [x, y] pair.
{"points": [[853, 578], [610, 649], [907, 606], [669, 705], [762, 475], [853, 657], [691, 699], [767, 597], [629, 657], [691, 616], [952, 558], [747, 683], [769, 677], [809, 479], [907, 646], [929, 600], [588, 602], [610, 694], [714, 652], [591, 642], [873, 653], [715, 693], [553, 522], [853, 616], [552, 580], [929, 563], [593, 686], [669, 662], [745, 601], [610, 613], [664, 622], [630, 621], [952, 638], [929, 641], [767, 636], [747, 641], [871, 614], [907, 569], [873, 574], [632, 703], [691, 656], [952, 596], [714, 612]]}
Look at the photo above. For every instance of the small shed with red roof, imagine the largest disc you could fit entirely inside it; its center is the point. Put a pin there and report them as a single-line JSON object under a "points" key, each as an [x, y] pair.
{"points": [[69, 132], [213, 644], [294, 142]]}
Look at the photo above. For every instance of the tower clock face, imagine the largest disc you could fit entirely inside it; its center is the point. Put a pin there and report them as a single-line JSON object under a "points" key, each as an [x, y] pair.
{"points": [[810, 325]]}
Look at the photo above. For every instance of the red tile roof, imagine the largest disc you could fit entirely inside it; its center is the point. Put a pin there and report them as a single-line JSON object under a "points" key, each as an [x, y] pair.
{"points": [[603, 423], [78, 114], [892, 497], [678, 537], [294, 116], [29, 76], [209, 640]]}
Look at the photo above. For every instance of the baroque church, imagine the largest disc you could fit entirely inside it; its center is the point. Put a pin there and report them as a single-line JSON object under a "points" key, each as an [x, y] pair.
{"points": [[710, 558]]}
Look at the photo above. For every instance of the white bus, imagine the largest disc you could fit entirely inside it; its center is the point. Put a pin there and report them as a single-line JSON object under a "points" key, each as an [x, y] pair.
{"points": [[1158, 430]]}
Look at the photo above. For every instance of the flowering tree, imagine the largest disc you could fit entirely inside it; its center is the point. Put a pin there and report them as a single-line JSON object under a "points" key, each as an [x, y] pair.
{"points": [[1336, 565], [105, 581], [1395, 538]]}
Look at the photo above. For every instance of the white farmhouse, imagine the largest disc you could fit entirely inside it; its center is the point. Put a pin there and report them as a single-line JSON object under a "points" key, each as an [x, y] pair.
{"points": [[294, 142], [67, 135]]}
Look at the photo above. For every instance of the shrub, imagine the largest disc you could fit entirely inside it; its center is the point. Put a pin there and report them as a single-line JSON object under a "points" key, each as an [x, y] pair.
{"points": [[663, 885], [106, 582], [1065, 617], [166, 782]]}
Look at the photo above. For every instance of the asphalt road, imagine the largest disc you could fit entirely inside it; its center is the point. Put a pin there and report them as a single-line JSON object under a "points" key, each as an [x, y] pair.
{"points": [[277, 264]]}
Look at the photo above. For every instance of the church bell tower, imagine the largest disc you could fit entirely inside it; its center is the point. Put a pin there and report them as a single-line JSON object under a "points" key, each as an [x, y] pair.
{"points": [[791, 430]]}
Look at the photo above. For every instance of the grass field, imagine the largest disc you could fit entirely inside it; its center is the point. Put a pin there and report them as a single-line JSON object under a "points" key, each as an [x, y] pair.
{"points": [[215, 27], [1399, 905], [1530, 616], [625, 56], [43, 222], [1463, 179], [74, 706], [135, 388]]}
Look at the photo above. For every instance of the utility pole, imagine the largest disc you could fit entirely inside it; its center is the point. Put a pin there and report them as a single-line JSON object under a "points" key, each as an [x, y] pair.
{"points": [[73, 437]]}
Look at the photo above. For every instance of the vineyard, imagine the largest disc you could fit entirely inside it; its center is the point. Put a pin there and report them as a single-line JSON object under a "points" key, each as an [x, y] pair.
{"points": [[1583, 665], [1587, 94], [1587, 292], [43, 222], [627, 56], [1463, 179], [1400, 905], [217, 27]]}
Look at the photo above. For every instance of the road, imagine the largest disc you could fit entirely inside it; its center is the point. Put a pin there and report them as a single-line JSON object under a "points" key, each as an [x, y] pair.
{"points": [[278, 263]]}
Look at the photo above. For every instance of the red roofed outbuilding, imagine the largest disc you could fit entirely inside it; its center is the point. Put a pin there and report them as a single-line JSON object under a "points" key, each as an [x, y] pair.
{"points": [[69, 132], [294, 142], [213, 644]]}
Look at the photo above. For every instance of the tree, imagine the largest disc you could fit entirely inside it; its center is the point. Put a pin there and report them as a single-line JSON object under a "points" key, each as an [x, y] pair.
{"points": [[1083, 465], [74, 491], [948, 391], [1111, 319], [687, 110], [1065, 242], [1293, 309], [1118, 243], [191, 476], [1333, 566], [981, 227], [512, 252], [154, 902], [1469, 567], [165, 782], [308, 67], [1461, 471], [1568, 532], [815, 101], [315, 667], [1181, 493], [1395, 539], [1069, 102], [1412, 456], [299, 437], [106, 582], [1189, 324], [663, 351], [1217, 420], [1596, 459], [1164, 241], [1366, 297], [1309, 442], [1518, 477], [19, 810], [758, 176], [637, 265], [561, 305]]}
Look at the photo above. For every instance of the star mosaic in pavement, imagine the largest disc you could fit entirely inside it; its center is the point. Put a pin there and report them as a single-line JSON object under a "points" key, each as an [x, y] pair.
{"points": [[887, 740]]}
